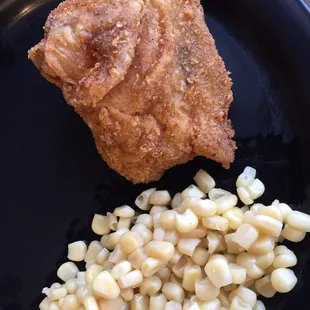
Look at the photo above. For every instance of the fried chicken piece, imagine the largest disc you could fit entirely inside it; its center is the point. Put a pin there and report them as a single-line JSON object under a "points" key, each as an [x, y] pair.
{"points": [[145, 76]]}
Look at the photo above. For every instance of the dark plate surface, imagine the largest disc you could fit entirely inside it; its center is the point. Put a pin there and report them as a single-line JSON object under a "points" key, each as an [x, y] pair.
{"points": [[54, 180]]}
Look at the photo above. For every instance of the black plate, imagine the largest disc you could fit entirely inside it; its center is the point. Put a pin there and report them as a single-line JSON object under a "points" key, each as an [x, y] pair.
{"points": [[55, 180]]}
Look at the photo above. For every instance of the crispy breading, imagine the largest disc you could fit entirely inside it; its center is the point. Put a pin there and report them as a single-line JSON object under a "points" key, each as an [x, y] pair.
{"points": [[145, 76]]}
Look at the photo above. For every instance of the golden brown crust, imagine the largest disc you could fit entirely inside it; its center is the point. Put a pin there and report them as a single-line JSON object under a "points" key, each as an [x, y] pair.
{"points": [[147, 79]]}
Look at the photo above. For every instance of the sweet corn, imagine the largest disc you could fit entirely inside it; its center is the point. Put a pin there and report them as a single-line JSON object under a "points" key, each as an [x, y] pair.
{"points": [[171, 236], [263, 245], [186, 222], [193, 191], [127, 294], [246, 177], [249, 218], [159, 234], [256, 207], [187, 246], [57, 293], [218, 273], [160, 249], [223, 298], [209, 305], [178, 269], [283, 280], [105, 286], [100, 225], [234, 216], [213, 242], [130, 241], [205, 290], [292, 234], [146, 220], [271, 211], [166, 219], [190, 275], [150, 286], [77, 251], [284, 257], [256, 189], [173, 292], [137, 257], [225, 203], [245, 235], [71, 286], [264, 261], [285, 210], [163, 254], [94, 249], [160, 198], [124, 211], [121, 269], [215, 222], [112, 221], [246, 295], [144, 232], [45, 303], [204, 181], [264, 287], [80, 279], [200, 256], [70, 302], [176, 256], [244, 196], [176, 200], [164, 274], [105, 242], [158, 209], [117, 303], [82, 292], [199, 232], [238, 273], [67, 271], [124, 222], [238, 304], [268, 225], [54, 306], [130, 280], [259, 305], [116, 256], [248, 261], [173, 305], [232, 246], [139, 302], [151, 265], [201, 207], [216, 193], [92, 272], [102, 256], [156, 220], [218, 257], [299, 221], [158, 302], [143, 200], [90, 303]]}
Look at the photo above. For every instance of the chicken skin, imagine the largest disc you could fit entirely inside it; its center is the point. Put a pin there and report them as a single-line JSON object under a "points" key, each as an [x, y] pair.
{"points": [[146, 78]]}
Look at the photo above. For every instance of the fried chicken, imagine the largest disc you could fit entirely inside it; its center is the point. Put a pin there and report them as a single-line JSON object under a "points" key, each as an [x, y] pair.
{"points": [[146, 78]]}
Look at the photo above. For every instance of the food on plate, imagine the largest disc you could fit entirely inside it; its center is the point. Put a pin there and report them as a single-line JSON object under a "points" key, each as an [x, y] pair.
{"points": [[194, 251], [146, 78]]}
